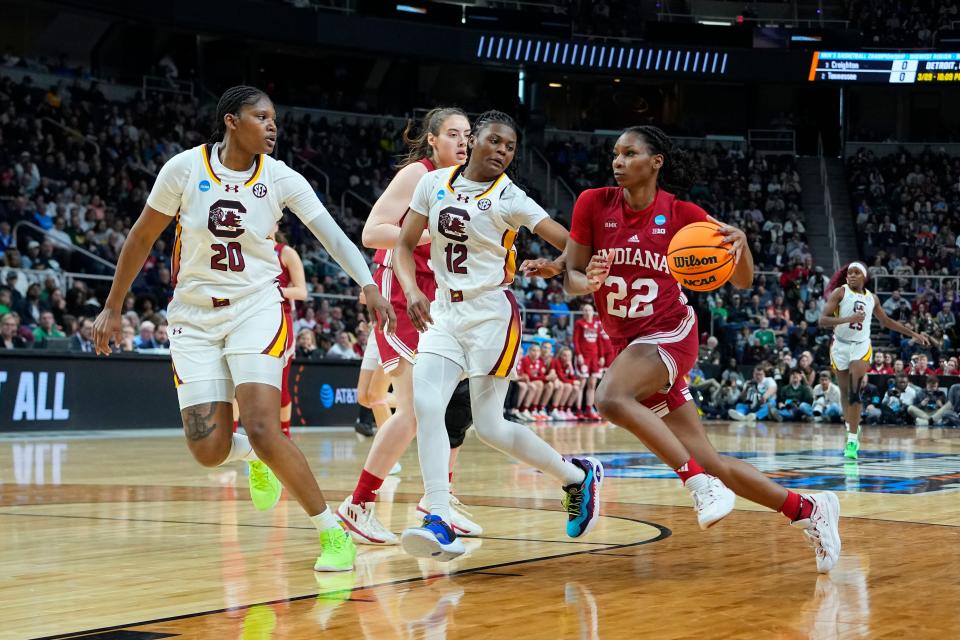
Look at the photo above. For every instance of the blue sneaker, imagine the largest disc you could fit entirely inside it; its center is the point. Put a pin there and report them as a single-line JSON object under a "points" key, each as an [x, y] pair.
{"points": [[434, 540], [582, 501]]}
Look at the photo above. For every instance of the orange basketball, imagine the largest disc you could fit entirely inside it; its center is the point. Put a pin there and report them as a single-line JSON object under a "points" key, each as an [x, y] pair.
{"points": [[698, 257]]}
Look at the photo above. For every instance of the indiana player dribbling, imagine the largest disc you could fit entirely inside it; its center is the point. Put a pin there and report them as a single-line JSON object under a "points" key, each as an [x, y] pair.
{"points": [[473, 213], [617, 250], [228, 330]]}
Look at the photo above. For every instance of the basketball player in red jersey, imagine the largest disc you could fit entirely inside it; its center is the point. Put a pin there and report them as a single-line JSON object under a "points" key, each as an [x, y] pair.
{"points": [[586, 342], [617, 251], [441, 143], [293, 287]]}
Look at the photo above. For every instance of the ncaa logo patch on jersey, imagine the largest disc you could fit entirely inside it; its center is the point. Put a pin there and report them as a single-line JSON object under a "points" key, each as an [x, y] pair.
{"points": [[661, 220], [204, 185], [441, 195], [484, 203], [259, 189]]}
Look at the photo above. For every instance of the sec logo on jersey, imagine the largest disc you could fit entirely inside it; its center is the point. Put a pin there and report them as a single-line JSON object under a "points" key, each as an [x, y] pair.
{"points": [[259, 189]]}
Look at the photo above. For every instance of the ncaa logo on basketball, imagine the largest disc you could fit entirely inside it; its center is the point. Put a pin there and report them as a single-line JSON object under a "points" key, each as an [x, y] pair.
{"points": [[204, 185], [259, 189], [484, 204]]}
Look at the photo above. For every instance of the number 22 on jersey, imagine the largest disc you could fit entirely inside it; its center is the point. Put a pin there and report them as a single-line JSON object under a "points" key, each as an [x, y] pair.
{"points": [[640, 303]]}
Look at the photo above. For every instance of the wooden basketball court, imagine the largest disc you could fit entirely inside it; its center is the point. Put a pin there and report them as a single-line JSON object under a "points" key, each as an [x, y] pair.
{"points": [[122, 535]]}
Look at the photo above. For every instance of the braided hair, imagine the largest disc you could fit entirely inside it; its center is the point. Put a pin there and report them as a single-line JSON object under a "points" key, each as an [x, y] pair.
{"points": [[678, 172], [232, 100], [418, 147]]}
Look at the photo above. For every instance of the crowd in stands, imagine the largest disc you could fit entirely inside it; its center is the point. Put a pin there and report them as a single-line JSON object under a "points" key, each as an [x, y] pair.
{"points": [[892, 23]]}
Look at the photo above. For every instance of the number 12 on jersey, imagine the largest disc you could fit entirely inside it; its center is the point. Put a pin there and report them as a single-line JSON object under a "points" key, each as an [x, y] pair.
{"points": [[640, 306], [456, 256]]}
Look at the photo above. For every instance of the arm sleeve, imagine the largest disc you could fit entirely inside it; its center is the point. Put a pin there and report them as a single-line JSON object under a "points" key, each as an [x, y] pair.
{"points": [[168, 189], [520, 210], [420, 202], [581, 227], [295, 193]]}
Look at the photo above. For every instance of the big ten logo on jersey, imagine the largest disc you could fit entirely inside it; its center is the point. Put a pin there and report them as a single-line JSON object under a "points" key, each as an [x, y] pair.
{"points": [[37, 400], [32, 461]]}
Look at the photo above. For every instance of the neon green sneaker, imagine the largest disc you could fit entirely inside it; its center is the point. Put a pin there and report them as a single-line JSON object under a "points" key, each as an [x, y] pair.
{"points": [[853, 446], [337, 551], [265, 489]]}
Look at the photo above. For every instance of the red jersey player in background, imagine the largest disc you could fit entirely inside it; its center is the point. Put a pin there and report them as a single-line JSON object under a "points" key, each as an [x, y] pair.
{"points": [[586, 342], [293, 287], [531, 381], [566, 400], [618, 251]]}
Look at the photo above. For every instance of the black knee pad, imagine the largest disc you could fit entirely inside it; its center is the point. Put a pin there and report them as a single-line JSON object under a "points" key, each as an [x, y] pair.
{"points": [[459, 416], [854, 396]]}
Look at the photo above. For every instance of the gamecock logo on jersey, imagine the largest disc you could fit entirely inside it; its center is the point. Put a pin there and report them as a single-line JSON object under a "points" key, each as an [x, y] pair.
{"points": [[225, 219], [451, 224]]}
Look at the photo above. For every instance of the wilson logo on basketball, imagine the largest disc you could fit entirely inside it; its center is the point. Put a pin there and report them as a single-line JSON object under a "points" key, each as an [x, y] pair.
{"points": [[683, 262]]}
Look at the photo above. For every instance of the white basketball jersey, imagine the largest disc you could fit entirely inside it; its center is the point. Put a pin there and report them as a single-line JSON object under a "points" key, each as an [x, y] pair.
{"points": [[472, 227], [851, 303], [223, 220]]}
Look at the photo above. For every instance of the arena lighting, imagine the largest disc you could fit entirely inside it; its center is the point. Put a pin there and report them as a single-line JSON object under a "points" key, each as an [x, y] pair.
{"points": [[406, 8], [715, 23], [555, 85]]}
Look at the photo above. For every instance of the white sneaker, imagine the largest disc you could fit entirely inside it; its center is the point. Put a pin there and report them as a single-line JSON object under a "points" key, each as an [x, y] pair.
{"points": [[362, 525], [395, 469], [460, 519], [526, 416], [736, 415], [556, 416], [822, 529], [711, 498]]}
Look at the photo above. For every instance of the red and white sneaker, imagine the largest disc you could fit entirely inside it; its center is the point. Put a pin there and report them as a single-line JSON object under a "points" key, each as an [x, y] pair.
{"points": [[362, 525], [711, 498], [461, 520], [822, 529]]}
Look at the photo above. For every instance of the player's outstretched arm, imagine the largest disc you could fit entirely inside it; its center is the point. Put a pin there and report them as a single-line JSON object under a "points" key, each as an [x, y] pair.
{"points": [[889, 323], [585, 272], [382, 228], [828, 317], [557, 235], [136, 248], [418, 305]]}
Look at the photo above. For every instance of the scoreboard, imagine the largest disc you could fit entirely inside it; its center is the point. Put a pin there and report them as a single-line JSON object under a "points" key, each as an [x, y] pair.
{"points": [[877, 67]]}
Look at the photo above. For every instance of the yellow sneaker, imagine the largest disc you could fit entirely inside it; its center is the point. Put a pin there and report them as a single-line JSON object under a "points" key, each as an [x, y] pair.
{"points": [[265, 488], [337, 551]]}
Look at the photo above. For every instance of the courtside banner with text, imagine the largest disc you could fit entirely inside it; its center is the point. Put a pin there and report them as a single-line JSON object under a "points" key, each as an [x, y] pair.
{"points": [[44, 391]]}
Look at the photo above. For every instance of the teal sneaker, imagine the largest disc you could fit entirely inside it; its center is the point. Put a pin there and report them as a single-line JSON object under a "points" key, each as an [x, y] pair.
{"points": [[265, 488], [851, 450], [337, 551]]}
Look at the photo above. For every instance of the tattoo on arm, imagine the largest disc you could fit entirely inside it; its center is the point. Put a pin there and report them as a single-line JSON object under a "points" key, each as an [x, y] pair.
{"points": [[199, 422]]}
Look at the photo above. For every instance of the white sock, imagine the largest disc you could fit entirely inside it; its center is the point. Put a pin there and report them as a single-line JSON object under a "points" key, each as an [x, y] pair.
{"points": [[854, 436], [324, 520], [240, 449]]}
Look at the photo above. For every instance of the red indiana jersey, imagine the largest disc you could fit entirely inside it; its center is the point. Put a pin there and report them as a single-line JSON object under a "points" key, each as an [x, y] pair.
{"points": [[533, 369], [566, 373], [421, 256], [640, 298], [283, 280], [586, 336], [607, 352]]}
